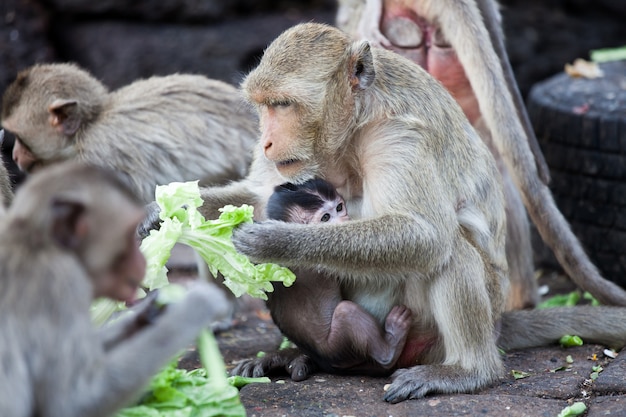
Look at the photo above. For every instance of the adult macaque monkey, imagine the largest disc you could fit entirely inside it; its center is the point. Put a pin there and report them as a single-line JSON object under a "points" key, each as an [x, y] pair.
{"points": [[154, 131], [460, 43], [70, 237], [338, 333], [175, 128], [427, 226]]}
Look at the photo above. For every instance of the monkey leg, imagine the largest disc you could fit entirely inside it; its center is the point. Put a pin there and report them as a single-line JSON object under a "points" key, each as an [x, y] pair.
{"points": [[523, 286], [354, 336], [462, 311]]}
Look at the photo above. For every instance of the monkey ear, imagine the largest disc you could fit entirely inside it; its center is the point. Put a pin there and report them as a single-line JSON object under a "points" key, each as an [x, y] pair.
{"points": [[69, 223], [64, 116], [361, 65]]}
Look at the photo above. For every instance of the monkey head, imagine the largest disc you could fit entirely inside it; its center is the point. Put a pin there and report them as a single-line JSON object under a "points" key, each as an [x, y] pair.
{"points": [[89, 214], [45, 108], [314, 201], [308, 92]]}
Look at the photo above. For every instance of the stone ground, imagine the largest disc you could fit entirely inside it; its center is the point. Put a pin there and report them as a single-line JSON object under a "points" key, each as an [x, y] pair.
{"points": [[551, 382]]}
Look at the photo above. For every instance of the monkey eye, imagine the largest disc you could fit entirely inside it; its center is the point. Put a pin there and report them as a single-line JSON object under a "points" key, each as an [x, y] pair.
{"points": [[339, 207], [325, 217], [280, 103]]}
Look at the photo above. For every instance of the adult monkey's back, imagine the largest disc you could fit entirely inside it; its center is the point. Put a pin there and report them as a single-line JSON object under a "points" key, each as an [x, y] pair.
{"points": [[428, 228]]}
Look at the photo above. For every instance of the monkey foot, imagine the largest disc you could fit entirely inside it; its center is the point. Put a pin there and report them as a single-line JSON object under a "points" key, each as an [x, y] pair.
{"points": [[298, 365], [397, 324]]}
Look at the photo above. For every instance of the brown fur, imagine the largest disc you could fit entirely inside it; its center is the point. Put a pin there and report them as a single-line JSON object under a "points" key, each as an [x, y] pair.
{"points": [[70, 237], [155, 131]]}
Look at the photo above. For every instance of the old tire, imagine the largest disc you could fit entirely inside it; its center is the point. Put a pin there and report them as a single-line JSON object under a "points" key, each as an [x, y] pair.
{"points": [[581, 128]]}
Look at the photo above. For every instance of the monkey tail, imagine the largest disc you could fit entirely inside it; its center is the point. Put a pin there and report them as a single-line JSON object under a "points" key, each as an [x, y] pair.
{"points": [[484, 71], [533, 328]]}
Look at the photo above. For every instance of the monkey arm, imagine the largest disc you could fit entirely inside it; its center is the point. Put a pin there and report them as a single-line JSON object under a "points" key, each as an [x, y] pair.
{"points": [[254, 190], [236, 194], [393, 243], [103, 383]]}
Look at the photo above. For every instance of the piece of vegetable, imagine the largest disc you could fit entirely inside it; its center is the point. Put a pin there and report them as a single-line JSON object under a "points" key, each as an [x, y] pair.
{"points": [[202, 392], [570, 340], [561, 300], [595, 372], [608, 54], [182, 222], [519, 374], [575, 409]]}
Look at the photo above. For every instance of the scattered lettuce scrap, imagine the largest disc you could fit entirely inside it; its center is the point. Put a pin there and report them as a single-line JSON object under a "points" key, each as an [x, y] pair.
{"points": [[608, 54], [203, 392], [568, 300], [595, 372], [519, 374], [575, 409], [570, 341], [182, 222]]}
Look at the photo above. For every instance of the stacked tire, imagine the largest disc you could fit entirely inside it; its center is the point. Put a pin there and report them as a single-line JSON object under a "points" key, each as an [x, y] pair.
{"points": [[581, 126]]}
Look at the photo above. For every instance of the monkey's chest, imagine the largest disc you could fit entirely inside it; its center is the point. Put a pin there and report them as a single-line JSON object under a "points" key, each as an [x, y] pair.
{"points": [[377, 298]]}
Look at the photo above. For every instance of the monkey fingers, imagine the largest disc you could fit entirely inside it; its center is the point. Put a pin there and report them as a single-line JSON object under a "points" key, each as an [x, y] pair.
{"points": [[151, 220], [292, 361]]}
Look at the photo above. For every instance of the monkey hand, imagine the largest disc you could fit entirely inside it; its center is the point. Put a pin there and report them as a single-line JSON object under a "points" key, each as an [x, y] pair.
{"points": [[151, 221], [148, 309], [292, 361], [202, 304], [267, 241]]}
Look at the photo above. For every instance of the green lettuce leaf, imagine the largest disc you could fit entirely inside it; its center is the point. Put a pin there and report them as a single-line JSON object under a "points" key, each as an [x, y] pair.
{"points": [[182, 222]]}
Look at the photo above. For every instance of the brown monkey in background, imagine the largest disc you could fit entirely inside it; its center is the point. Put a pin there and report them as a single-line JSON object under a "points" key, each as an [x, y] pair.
{"points": [[338, 332], [70, 236], [155, 131], [460, 43], [427, 226]]}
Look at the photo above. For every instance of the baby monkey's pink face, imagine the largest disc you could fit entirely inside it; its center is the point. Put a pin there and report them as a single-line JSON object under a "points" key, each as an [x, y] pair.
{"points": [[333, 211]]}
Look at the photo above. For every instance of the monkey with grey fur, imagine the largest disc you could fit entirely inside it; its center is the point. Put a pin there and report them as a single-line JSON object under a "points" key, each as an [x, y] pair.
{"points": [[70, 236], [179, 127], [458, 52]]}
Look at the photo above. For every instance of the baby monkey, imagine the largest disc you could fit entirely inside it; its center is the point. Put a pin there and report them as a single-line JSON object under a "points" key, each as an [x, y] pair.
{"points": [[313, 310]]}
